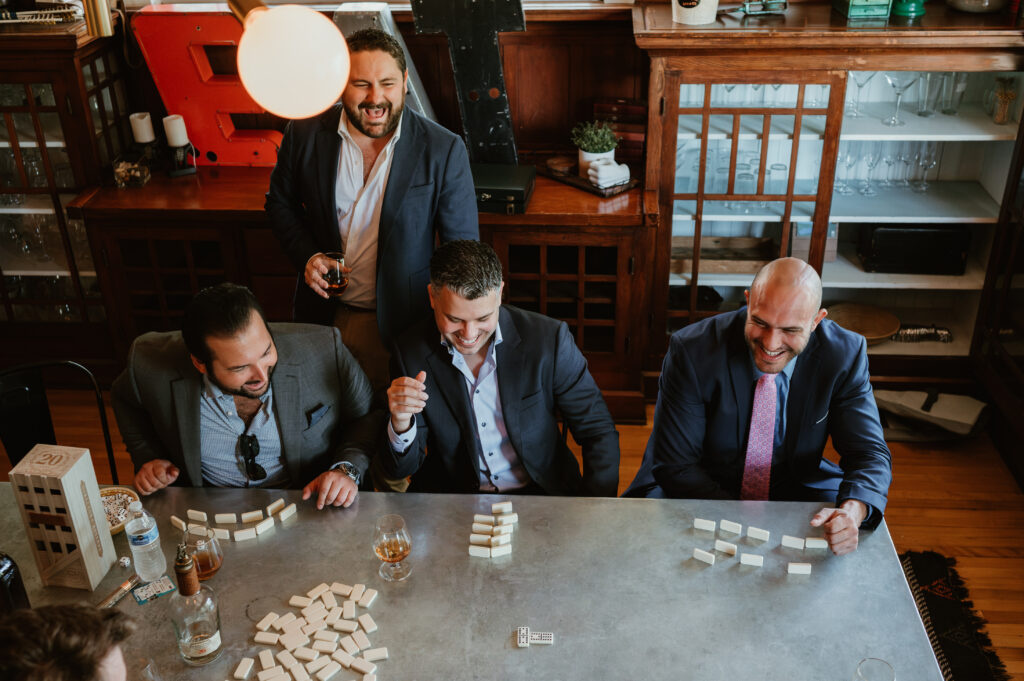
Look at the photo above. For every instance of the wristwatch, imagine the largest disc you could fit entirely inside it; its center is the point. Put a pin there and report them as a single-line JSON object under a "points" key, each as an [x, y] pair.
{"points": [[349, 470]]}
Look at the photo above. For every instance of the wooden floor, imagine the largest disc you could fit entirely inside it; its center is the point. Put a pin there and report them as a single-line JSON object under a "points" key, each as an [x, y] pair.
{"points": [[958, 499]]}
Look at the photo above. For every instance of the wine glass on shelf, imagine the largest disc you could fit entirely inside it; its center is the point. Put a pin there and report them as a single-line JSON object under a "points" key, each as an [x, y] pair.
{"points": [[926, 160], [860, 79], [392, 545], [871, 156], [900, 82], [908, 157], [842, 185], [889, 157]]}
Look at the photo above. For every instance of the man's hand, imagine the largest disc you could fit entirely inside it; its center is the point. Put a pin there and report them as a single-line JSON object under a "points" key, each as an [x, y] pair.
{"points": [[333, 488], [154, 475], [406, 397], [842, 525], [316, 268]]}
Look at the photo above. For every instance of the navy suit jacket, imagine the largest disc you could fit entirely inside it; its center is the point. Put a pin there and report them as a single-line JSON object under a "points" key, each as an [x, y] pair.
{"points": [[541, 373], [698, 442], [429, 194]]}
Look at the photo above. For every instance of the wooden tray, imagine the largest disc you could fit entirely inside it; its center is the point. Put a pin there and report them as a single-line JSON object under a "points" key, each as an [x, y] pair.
{"points": [[874, 323], [580, 183]]}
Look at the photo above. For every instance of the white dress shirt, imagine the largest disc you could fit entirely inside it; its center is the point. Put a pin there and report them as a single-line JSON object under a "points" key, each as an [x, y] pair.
{"points": [[359, 207]]}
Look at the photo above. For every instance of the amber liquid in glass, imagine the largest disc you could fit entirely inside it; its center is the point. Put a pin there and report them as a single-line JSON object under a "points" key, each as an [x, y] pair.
{"points": [[207, 564], [392, 550], [335, 287]]}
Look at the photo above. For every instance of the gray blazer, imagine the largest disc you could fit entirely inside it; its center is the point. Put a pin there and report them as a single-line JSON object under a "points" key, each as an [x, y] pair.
{"points": [[156, 402]]}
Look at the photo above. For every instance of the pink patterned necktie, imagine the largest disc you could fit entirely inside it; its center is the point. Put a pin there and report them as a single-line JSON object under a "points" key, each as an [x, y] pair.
{"points": [[758, 468]]}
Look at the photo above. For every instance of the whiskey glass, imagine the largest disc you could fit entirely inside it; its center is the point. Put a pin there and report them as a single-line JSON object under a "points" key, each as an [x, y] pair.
{"points": [[336, 278], [391, 543], [205, 550]]}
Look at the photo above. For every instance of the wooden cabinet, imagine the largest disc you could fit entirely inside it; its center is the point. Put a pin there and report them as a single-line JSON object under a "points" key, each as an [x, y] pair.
{"points": [[754, 153], [63, 117]]}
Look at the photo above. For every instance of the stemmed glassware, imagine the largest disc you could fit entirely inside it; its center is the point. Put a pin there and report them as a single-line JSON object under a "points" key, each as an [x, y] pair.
{"points": [[842, 185], [900, 81], [871, 156], [392, 544], [860, 79], [908, 157], [889, 157], [926, 160]]}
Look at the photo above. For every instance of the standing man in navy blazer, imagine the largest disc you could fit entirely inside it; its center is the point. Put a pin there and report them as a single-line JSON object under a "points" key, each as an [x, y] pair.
{"points": [[478, 391], [702, 443], [377, 182]]}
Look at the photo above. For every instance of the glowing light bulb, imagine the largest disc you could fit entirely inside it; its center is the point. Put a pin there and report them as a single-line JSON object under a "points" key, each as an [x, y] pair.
{"points": [[292, 60]]}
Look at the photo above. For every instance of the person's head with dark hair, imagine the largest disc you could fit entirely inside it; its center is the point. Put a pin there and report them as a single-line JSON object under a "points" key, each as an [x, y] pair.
{"points": [[226, 334], [375, 95], [465, 293], [63, 643]]}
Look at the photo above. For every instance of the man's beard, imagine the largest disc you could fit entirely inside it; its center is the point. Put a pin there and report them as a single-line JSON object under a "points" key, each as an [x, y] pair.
{"points": [[382, 130], [242, 392]]}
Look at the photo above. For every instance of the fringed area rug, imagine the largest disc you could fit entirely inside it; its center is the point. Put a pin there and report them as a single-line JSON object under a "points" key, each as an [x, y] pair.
{"points": [[957, 632]]}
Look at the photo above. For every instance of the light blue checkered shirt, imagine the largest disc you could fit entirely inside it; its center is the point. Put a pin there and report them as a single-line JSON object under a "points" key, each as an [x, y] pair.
{"points": [[219, 429]]}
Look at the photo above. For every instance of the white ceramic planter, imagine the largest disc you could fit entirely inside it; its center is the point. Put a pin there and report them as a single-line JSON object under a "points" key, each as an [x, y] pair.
{"points": [[586, 158], [694, 12]]}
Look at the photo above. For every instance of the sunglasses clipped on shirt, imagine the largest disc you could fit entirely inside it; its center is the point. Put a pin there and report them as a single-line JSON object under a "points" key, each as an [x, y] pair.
{"points": [[250, 448]]}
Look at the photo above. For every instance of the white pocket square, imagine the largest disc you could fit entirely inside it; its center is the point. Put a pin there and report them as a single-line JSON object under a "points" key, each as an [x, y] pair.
{"points": [[821, 419]]}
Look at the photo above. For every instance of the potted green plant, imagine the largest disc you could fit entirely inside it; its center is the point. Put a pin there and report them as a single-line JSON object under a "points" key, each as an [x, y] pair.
{"points": [[595, 140]]}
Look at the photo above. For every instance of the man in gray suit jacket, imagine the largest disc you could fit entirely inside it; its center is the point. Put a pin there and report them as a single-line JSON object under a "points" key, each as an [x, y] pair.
{"points": [[481, 387], [232, 401]]}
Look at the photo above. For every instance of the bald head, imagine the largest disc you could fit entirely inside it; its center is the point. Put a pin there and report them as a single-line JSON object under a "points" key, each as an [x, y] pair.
{"points": [[783, 309], [790, 276]]}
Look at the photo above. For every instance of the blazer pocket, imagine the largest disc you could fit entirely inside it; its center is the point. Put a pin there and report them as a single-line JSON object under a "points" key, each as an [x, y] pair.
{"points": [[821, 420], [315, 417], [531, 399], [420, 188]]}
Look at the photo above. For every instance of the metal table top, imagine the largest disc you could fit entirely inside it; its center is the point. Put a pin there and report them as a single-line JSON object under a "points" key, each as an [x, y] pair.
{"points": [[613, 579]]}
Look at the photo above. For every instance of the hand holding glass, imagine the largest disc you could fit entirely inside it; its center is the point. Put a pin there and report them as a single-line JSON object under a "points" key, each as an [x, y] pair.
{"points": [[336, 277], [392, 545]]}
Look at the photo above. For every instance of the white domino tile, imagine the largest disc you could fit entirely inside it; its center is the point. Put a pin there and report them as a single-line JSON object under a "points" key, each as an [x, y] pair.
{"points": [[751, 559], [305, 654], [345, 626], [367, 623], [792, 542], [479, 551], [480, 539], [357, 592], [341, 589], [502, 529], [758, 534], [348, 609], [369, 596], [484, 519], [799, 568], [508, 519], [267, 620], [266, 638], [327, 672], [704, 556], [275, 507], [317, 591], [242, 535], [363, 667], [325, 646], [348, 645], [198, 516], [343, 658], [503, 550], [705, 525], [480, 528], [375, 654], [225, 518], [264, 526], [284, 619], [330, 601], [501, 507], [287, 512], [815, 543], [178, 522], [324, 635], [244, 667], [267, 659], [725, 547], [221, 533], [293, 640], [730, 527], [318, 664], [270, 673], [500, 540], [299, 673], [361, 639], [286, 659], [252, 516], [299, 601]]}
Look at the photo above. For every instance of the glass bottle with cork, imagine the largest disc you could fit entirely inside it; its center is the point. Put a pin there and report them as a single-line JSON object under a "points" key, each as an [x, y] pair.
{"points": [[194, 613]]}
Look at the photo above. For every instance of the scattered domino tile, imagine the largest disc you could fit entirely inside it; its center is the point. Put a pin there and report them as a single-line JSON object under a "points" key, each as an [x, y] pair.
{"points": [[357, 592], [293, 640], [287, 512], [348, 644], [375, 654], [725, 547], [792, 542], [480, 528], [317, 591], [704, 556], [328, 671], [706, 525], [501, 507], [299, 601], [361, 639], [264, 525], [196, 526], [480, 539], [799, 568], [178, 522], [275, 507], [499, 540], [221, 533], [329, 600], [508, 519], [367, 623], [369, 677], [198, 516], [325, 646], [284, 619], [267, 620], [298, 673], [334, 615], [751, 559], [484, 519], [343, 658], [296, 624], [758, 533], [304, 653], [266, 659], [318, 664], [242, 535], [252, 516], [348, 610], [523, 637], [479, 551], [345, 626], [502, 529], [244, 667], [341, 589], [266, 638], [311, 629], [815, 543], [501, 550], [324, 635], [363, 667], [730, 527], [225, 518], [313, 607], [541, 638], [369, 596], [286, 659], [269, 673]]}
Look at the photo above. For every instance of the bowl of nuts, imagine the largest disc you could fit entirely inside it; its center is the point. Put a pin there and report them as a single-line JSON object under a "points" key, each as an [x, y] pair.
{"points": [[115, 504]]}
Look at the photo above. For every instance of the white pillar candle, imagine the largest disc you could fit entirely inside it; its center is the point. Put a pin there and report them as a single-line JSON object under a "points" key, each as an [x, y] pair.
{"points": [[174, 127], [142, 127]]}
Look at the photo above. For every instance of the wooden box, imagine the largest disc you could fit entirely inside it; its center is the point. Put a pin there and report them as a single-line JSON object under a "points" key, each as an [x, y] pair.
{"points": [[56, 492]]}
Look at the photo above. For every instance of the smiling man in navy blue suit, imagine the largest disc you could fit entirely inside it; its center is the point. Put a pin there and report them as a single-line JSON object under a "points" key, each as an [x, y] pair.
{"points": [[699, 442]]}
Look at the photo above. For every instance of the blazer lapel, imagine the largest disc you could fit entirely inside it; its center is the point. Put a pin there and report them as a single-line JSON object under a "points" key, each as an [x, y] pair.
{"points": [[800, 386], [328, 146], [742, 379], [185, 393], [402, 164], [290, 424], [452, 386], [510, 374]]}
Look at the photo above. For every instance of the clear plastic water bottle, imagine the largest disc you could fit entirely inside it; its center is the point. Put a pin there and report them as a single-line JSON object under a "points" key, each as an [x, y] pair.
{"points": [[144, 540]]}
